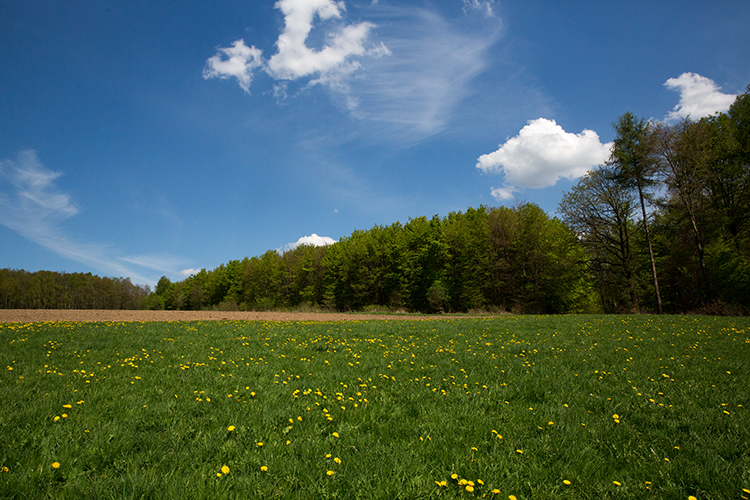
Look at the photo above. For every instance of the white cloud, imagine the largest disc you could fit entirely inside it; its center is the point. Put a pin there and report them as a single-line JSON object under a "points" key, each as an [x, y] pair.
{"points": [[238, 61], [699, 97], [33, 206], [294, 59], [189, 272], [542, 153], [313, 239], [504, 193]]}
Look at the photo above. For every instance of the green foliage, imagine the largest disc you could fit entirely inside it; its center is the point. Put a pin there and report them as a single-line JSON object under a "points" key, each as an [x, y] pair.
{"points": [[543, 407], [50, 290]]}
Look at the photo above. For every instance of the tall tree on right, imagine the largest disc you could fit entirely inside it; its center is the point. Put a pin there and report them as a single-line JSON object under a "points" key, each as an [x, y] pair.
{"points": [[633, 164]]}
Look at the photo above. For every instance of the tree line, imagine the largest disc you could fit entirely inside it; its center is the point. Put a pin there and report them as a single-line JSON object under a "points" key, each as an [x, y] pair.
{"points": [[52, 290], [662, 226]]}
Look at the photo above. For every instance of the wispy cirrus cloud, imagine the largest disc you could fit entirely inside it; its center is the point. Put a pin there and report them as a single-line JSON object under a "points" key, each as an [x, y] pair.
{"points": [[33, 206], [541, 154], [699, 97]]}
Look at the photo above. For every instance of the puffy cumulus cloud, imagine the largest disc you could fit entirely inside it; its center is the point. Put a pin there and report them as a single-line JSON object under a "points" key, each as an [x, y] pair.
{"points": [[238, 61], [294, 59], [189, 272], [313, 239], [699, 97], [542, 153]]}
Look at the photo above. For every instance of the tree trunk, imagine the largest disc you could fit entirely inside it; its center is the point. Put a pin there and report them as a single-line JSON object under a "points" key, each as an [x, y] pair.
{"points": [[650, 249]]}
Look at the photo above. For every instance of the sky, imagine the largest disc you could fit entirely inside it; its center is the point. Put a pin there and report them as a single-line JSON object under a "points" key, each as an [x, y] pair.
{"points": [[143, 139]]}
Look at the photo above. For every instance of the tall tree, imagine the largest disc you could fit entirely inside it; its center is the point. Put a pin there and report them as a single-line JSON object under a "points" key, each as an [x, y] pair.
{"points": [[601, 211], [634, 165]]}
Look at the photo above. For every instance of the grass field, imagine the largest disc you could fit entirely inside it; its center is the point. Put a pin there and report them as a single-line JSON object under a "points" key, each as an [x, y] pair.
{"points": [[542, 407]]}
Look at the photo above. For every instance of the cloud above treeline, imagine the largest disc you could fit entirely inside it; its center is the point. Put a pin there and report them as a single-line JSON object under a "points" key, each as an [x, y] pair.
{"points": [[313, 240], [699, 97], [543, 152]]}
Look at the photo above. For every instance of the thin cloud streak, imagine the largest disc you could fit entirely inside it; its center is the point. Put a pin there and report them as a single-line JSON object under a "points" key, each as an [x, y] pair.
{"points": [[32, 206], [411, 94]]}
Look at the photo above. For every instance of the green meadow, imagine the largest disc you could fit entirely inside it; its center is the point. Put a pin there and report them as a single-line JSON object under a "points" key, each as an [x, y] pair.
{"points": [[524, 407]]}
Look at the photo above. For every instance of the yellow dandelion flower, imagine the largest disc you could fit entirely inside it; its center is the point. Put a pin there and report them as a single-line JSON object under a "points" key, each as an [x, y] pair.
{"points": [[68, 406], [511, 497], [335, 434], [328, 455], [56, 418], [5, 469], [260, 444], [454, 476], [337, 460], [330, 473], [64, 415], [230, 428], [218, 474], [470, 488], [55, 465], [474, 448], [495, 491], [566, 482], [225, 469], [263, 468], [550, 423], [520, 452], [463, 482], [616, 483], [691, 497]]}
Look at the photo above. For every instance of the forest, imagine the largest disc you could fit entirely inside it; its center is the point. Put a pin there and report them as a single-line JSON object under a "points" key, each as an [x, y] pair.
{"points": [[662, 226]]}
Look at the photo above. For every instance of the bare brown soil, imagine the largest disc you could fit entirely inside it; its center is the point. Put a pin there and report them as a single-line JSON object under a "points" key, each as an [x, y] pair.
{"points": [[38, 315]]}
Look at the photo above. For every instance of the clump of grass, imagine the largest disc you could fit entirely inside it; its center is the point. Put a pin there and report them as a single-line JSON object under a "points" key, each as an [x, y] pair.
{"points": [[533, 407]]}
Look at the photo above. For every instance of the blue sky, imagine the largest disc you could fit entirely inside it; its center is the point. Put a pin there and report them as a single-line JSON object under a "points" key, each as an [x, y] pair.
{"points": [[141, 138]]}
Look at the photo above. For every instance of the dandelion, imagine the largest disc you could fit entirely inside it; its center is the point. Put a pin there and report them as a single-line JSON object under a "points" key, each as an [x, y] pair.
{"points": [[55, 465], [224, 469], [520, 452], [56, 418], [566, 482], [218, 474], [330, 473], [616, 483], [470, 488], [511, 497], [260, 444], [68, 406], [230, 428], [263, 468], [64, 415], [495, 491], [691, 497], [454, 476], [5, 469], [337, 460], [335, 434]]}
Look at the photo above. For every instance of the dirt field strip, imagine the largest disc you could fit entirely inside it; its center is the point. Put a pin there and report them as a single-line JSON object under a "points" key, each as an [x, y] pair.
{"points": [[39, 315]]}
